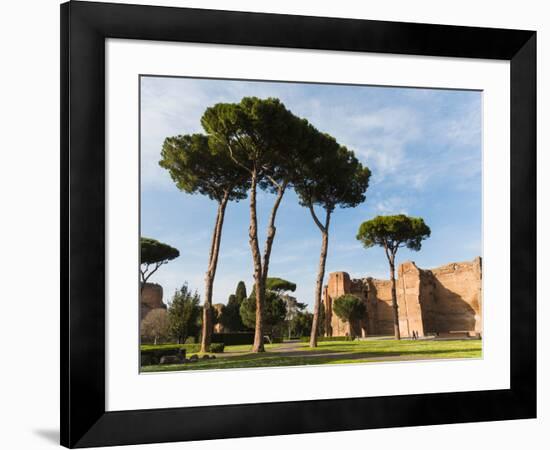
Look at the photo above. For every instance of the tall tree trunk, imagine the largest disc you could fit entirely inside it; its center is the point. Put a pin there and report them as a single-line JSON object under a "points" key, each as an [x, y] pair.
{"points": [[394, 302], [261, 267], [271, 230], [328, 316], [259, 285], [207, 325], [351, 332], [320, 277]]}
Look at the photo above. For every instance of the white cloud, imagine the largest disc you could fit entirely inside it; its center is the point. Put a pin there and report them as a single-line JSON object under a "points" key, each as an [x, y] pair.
{"points": [[166, 110], [381, 137], [388, 139], [391, 205]]}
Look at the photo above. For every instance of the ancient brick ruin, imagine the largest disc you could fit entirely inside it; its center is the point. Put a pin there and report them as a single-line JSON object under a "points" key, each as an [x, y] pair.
{"points": [[444, 301], [151, 298], [218, 327]]}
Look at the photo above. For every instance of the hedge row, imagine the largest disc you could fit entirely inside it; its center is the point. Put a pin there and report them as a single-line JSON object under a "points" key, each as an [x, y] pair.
{"points": [[233, 338], [217, 347], [174, 348], [151, 354]]}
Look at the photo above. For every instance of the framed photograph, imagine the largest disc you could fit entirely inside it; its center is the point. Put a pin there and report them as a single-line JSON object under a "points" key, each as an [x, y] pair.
{"points": [[278, 224]]}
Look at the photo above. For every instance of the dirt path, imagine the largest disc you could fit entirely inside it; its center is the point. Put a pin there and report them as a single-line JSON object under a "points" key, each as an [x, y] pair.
{"points": [[286, 347], [297, 349], [289, 346]]}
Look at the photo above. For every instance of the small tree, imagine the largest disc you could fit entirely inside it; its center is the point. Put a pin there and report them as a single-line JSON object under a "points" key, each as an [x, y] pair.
{"points": [[153, 255], [292, 307], [274, 304], [231, 317], [349, 308], [300, 324], [155, 326], [392, 233], [240, 292], [282, 288], [274, 310], [184, 314]]}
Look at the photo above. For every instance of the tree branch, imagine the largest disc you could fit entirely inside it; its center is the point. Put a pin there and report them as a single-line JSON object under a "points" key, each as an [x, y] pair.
{"points": [[277, 185], [315, 218], [235, 159], [387, 251], [271, 230], [157, 265]]}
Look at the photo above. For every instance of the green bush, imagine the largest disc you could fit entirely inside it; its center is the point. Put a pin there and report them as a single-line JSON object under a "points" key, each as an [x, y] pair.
{"points": [[217, 347], [276, 340], [233, 338], [146, 360], [191, 348], [151, 354]]}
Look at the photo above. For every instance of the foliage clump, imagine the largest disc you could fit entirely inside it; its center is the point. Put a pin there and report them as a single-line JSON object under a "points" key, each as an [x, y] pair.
{"points": [[217, 347], [231, 316], [349, 308], [154, 254], [184, 314], [155, 326]]}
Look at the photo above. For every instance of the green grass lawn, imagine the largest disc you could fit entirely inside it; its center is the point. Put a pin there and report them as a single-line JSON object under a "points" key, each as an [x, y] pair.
{"points": [[340, 352], [248, 348]]}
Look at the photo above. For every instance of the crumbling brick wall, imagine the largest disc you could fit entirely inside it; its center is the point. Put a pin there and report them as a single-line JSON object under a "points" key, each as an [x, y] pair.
{"points": [[151, 298], [446, 299], [455, 300]]}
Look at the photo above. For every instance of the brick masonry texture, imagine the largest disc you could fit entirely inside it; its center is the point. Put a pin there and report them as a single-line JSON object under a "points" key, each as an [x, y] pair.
{"points": [[445, 301], [151, 298]]}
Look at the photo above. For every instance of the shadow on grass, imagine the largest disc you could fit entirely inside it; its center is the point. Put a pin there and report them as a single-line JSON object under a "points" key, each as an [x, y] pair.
{"points": [[313, 357]]}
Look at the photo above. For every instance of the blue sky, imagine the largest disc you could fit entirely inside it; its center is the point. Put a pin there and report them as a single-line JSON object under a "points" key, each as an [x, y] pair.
{"points": [[423, 147]]}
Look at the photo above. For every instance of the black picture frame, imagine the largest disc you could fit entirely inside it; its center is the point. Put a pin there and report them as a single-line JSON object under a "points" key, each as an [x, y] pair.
{"points": [[84, 28]]}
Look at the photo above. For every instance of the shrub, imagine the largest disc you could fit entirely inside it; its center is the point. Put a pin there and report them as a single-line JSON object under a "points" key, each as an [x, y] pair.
{"points": [[155, 325], [233, 338], [276, 340], [184, 314], [146, 360], [191, 348], [274, 309], [171, 359], [349, 308], [151, 354], [217, 347]]}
